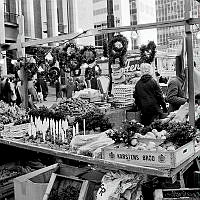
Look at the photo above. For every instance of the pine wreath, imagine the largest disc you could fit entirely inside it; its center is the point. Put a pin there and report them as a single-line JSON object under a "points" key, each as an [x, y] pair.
{"points": [[117, 48], [88, 54], [70, 49], [74, 62], [147, 52], [54, 73]]}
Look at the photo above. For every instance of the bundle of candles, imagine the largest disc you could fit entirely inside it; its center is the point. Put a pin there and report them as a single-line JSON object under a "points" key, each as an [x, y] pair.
{"points": [[57, 128]]}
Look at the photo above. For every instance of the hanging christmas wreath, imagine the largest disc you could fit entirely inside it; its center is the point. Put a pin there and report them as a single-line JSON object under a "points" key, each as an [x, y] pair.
{"points": [[53, 74], [70, 49], [92, 72], [30, 67], [88, 54], [117, 48], [148, 52]]}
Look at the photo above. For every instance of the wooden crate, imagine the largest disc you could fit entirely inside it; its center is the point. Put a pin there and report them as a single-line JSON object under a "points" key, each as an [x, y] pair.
{"points": [[165, 159], [177, 194], [33, 185], [60, 182], [6, 189]]}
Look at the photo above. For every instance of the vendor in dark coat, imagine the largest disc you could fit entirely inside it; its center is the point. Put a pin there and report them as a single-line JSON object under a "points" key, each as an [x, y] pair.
{"points": [[148, 96], [175, 93]]}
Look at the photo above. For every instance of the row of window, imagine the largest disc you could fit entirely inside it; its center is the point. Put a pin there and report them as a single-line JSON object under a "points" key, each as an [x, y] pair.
{"points": [[104, 10], [96, 1]]}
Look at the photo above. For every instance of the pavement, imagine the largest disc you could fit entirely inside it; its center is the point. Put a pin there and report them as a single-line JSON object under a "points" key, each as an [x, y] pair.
{"points": [[51, 98]]}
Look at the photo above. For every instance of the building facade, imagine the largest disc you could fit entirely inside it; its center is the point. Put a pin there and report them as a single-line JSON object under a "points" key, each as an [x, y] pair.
{"points": [[42, 18], [170, 38]]}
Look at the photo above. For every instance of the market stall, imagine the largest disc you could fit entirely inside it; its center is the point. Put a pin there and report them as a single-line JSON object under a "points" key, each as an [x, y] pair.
{"points": [[77, 130]]}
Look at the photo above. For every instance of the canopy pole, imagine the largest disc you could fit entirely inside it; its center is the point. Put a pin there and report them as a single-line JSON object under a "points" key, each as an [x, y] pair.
{"points": [[189, 50]]}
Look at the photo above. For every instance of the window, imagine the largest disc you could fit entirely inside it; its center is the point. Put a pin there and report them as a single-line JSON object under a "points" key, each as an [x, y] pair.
{"points": [[96, 1], [10, 12]]}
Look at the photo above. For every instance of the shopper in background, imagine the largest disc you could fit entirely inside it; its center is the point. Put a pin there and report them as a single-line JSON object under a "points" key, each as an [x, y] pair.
{"points": [[58, 89], [148, 96], [175, 92], [70, 86]]}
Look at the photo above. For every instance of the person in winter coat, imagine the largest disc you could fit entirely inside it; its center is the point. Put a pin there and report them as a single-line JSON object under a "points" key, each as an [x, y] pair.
{"points": [[70, 86], [148, 96], [175, 93]]}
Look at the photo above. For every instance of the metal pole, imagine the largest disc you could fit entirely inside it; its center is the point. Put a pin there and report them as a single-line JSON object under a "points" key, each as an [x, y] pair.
{"points": [[189, 49], [21, 54], [110, 24]]}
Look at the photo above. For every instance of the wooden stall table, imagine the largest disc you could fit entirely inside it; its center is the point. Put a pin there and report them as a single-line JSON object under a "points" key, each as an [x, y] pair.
{"points": [[102, 164]]}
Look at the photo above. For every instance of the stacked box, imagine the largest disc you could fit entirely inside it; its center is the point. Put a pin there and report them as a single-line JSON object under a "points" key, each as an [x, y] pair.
{"points": [[123, 95]]}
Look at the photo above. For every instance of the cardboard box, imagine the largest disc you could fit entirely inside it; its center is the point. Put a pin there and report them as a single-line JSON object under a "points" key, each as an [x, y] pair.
{"points": [[165, 159]]}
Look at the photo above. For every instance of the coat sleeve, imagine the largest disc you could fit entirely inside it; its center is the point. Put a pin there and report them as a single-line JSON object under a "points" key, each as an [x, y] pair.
{"points": [[172, 94], [159, 96], [137, 101]]}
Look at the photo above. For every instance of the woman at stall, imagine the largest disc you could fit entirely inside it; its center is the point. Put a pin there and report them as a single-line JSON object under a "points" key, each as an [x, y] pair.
{"points": [[149, 96]]}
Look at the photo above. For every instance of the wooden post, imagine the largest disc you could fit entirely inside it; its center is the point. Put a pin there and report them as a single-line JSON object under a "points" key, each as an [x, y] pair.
{"points": [[110, 24], [21, 54], [189, 50]]}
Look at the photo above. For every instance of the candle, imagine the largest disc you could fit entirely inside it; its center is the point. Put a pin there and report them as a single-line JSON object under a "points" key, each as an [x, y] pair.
{"points": [[34, 131], [31, 119], [73, 131], [30, 129], [83, 126], [54, 131], [77, 128], [43, 135], [62, 135]]}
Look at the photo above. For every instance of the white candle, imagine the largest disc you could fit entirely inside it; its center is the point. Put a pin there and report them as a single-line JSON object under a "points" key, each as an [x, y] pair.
{"points": [[73, 131], [83, 126], [59, 125], [34, 131], [43, 135], [30, 129], [31, 119], [54, 127], [62, 135], [77, 128]]}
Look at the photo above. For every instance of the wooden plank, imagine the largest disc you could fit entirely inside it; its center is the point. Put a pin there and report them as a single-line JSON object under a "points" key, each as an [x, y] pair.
{"points": [[49, 187], [55, 39], [179, 22]]}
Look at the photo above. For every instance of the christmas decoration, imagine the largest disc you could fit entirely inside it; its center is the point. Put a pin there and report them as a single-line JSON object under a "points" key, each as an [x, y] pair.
{"points": [[88, 54], [117, 49], [147, 52]]}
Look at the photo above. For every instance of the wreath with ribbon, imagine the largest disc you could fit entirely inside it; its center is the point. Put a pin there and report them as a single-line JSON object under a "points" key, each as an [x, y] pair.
{"points": [[148, 52], [117, 48], [92, 72], [30, 68], [54, 73], [88, 54]]}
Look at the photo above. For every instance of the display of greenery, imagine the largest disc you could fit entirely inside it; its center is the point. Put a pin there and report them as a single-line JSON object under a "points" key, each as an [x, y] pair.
{"points": [[67, 193], [126, 133], [180, 133]]}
